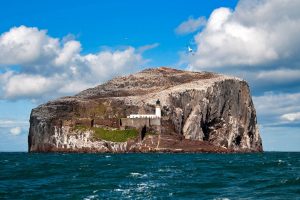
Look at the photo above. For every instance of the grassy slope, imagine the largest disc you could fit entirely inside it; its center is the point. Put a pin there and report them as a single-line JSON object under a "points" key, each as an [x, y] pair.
{"points": [[115, 135], [110, 135]]}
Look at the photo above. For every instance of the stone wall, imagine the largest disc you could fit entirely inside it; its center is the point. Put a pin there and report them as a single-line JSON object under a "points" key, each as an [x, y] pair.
{"points": [[139, 123], [155, 122], [134, 122], [94, 122]]}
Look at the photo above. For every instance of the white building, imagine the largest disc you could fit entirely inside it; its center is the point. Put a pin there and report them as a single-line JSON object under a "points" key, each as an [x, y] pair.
{"points": [[157, 113]]}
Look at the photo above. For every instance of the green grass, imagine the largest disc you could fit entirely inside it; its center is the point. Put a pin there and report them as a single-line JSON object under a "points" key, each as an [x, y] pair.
{"points": [[110, 135], [115, 135], [81, 128]]}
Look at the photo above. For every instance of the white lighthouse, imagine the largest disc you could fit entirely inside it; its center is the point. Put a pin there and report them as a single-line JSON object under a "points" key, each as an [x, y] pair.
{"points": [[149, 116], [158, 109]]}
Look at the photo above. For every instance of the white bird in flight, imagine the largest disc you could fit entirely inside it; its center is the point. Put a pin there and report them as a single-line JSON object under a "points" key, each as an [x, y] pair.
{"points": [[190, 49]]}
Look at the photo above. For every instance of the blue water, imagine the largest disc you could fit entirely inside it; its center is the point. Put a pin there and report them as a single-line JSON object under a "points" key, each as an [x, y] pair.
{"points": [[150, 176]]}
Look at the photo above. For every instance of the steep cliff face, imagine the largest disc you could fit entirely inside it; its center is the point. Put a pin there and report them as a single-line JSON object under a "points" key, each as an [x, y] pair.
{"points": [[201, 112]]}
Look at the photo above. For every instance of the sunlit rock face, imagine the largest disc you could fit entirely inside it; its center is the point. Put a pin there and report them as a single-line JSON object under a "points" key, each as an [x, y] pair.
{"points": [[201, 112]]}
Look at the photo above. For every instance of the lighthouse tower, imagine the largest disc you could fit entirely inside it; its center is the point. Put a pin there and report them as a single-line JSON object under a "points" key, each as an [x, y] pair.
{"points": [[158, 109]]}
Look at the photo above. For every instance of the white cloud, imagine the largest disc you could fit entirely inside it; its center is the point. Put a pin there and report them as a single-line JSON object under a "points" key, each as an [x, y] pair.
{"points": [[279, 75], [73, 87], [277, 108], [191, 25], [256, 33], [51, 67], [147, 47], [261, 80], [70, 49], [291, 116], [7, 123], [15, 131], [24, 45], [107, 64], [24, 85], [272, 103]]}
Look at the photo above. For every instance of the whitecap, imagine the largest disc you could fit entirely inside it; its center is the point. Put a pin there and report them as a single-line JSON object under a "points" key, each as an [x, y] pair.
{"points": [[135, 174], [168, 170], [283, 181], [90, 197], [280, 161], [144, 176], [165, 170], [142, 187], [107, 156], [123, 191], [146, 186]]}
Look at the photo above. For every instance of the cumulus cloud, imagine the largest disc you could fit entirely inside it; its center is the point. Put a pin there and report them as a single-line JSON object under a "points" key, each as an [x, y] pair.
{"points": [[52, 67], [15, 131], [106, 64], [25, 45], [257, 41], [69, 51], [25, 85], [191, 25], [255, 33], [291, 116]]}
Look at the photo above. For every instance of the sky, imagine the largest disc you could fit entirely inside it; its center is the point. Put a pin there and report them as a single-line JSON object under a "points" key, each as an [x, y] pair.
{"points": [[50, 49]]}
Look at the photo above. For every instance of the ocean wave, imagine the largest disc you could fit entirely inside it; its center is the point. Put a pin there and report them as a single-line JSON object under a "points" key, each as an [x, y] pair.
{"points": [[150, 176], [91, 197], [135, 174]]}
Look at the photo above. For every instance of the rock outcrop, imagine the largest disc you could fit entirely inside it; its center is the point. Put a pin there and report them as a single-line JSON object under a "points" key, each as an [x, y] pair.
{"points": [[201, 112]]}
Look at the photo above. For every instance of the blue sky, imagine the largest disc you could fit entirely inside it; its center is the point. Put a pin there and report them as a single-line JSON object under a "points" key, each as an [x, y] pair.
{"points": [[52, 48]]}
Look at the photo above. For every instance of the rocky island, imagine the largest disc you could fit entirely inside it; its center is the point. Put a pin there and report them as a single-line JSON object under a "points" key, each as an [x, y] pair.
{"points": [[155, 110]]}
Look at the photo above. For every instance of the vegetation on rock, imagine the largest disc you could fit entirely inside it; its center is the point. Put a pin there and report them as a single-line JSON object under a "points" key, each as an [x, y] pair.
{"points": [[113, 135]]}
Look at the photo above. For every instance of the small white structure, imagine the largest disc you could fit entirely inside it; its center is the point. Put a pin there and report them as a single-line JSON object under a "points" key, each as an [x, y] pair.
{"points": [[157, 109], [157, 113]]}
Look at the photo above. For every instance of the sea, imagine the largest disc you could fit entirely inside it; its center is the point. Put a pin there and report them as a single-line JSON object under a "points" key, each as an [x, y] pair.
{"points": [[269, 175]]}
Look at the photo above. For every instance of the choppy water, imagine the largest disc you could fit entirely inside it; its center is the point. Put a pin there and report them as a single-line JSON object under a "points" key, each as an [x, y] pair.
{"points": [[150, 176]]}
